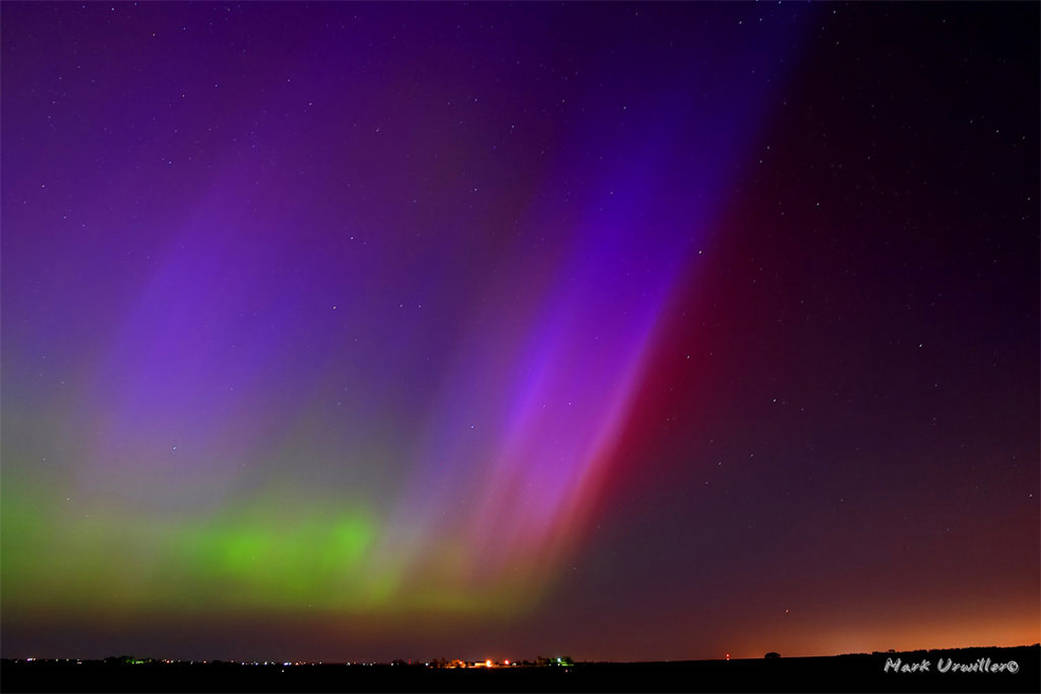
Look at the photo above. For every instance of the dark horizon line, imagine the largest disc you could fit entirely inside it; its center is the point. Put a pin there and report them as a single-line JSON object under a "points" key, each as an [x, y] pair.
{"points": [[148, 660]]}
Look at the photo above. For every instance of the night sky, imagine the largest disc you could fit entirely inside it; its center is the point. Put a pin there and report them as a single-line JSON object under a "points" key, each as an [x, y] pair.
{"points": [[620, 331]]}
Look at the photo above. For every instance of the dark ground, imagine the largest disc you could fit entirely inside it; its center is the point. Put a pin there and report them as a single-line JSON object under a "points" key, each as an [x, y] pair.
{"points": [[855, 673]]}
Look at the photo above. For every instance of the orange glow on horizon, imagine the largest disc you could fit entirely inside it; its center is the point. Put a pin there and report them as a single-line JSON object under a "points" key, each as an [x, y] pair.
{"points": [[1018, 630]]}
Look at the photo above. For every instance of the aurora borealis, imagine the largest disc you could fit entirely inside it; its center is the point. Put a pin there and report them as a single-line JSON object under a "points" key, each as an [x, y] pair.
{"points": [[367, 331]]}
